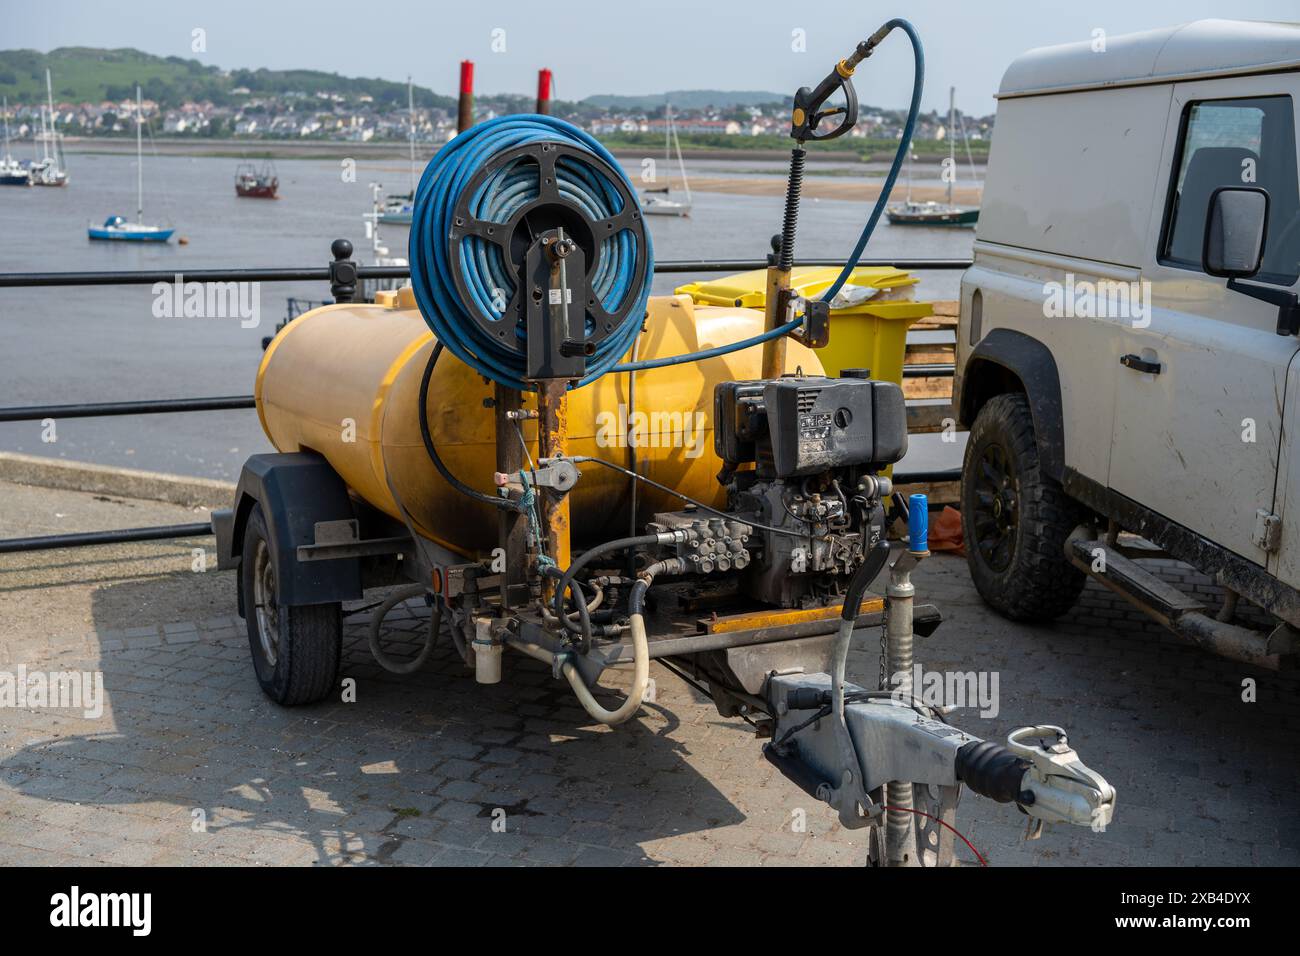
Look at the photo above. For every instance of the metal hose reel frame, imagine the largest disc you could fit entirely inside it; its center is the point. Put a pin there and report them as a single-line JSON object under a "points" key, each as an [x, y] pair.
{"points": [[479, 211], [548, 210]]}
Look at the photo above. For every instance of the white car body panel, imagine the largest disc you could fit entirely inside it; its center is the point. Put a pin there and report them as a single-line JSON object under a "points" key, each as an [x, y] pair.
{"points": [[1078, 180]]}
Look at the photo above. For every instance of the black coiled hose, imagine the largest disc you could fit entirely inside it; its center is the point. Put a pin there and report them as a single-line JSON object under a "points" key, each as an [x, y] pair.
{"points": [[793, 189]]}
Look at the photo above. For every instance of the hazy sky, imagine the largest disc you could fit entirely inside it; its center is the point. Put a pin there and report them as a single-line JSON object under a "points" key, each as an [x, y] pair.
{"points": [[614, 46]]}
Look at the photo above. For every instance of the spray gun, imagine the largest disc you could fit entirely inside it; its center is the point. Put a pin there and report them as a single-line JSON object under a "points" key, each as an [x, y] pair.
{"points": [[808, 320], [808, 113]]}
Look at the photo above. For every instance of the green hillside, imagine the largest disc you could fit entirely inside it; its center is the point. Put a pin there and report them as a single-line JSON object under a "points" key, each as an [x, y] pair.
{"points": [[83, 74]]}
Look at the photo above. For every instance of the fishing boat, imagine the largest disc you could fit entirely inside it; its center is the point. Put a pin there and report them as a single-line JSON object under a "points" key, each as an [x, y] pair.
{"points": [[912, 212], [398, 207], [655, 202], [254, 183], [52, 168], [116, 227], [12, 172]]}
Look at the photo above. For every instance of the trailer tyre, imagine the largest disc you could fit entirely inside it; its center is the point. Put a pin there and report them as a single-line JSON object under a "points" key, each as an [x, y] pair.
{"points": [[296, 650], [1015, 519]]}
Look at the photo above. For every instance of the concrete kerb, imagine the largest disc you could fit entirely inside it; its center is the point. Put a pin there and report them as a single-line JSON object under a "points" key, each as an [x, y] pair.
{"points": [[119, 482]]}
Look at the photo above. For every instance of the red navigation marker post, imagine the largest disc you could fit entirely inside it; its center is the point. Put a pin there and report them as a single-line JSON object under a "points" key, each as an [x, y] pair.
{"points": [[544, 92], [465, 113]]}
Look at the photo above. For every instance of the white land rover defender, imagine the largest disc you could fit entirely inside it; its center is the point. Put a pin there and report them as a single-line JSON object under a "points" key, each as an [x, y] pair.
{"points": [[1127, 351]]}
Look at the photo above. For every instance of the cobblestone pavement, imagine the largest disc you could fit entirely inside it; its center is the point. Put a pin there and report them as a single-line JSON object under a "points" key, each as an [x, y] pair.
{"points": [[190, 764]]}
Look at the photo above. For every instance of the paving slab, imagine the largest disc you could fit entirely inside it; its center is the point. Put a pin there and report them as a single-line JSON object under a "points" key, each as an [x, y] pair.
{"points": [[190, 764]]}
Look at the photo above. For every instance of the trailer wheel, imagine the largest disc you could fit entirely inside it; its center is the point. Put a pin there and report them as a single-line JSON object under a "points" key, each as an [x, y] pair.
{"points": [[1015, 519], [296, 650]]}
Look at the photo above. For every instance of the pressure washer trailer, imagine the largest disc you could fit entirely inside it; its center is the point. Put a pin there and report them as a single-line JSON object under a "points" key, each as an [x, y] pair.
{"points": [[445, 441]]}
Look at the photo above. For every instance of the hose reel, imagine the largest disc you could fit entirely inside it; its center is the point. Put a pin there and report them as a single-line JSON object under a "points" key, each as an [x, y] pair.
{"points": [[530, 258]]}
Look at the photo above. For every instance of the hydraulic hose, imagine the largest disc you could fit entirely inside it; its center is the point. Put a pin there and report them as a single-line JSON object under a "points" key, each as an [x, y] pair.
{"points": [[377, 620], [586, 558], [640, 680], [640, 653], [583, 187], [578, 622]]}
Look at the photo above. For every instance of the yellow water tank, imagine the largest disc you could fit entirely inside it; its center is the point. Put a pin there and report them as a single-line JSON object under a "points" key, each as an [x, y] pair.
{"points": [[344, 381]]}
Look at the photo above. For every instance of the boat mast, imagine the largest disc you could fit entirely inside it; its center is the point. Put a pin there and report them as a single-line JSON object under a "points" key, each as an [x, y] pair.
{"points": [[49, 97], [952, 143], [668, 133], [410, 109], [6, 105], [55, 150], [681, 163], [139, 156]]}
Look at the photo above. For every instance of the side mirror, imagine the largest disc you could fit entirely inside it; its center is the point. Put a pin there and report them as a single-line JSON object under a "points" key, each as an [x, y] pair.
{"points": [[1235, 226]]}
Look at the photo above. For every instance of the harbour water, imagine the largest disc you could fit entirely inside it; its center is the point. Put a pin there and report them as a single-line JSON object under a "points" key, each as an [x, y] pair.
{"points": [[103, 344]]}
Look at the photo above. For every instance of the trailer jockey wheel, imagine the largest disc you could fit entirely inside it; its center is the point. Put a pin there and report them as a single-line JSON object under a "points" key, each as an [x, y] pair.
{"points": [[296, 650], [934, 841]]}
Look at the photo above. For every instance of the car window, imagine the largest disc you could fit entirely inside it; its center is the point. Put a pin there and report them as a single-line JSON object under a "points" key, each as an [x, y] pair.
{"points": [[1241, 142]]}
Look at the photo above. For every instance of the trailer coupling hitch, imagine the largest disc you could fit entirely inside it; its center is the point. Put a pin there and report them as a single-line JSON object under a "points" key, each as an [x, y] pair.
{"points": [[1057, 786]]}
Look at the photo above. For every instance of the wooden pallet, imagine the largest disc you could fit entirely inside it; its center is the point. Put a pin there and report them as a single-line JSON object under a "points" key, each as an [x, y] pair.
{"points": [[928, 394], [929, 398]]}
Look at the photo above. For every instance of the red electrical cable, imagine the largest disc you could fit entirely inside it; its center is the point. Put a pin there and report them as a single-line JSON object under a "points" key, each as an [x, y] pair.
{"points": [[922, 813]]}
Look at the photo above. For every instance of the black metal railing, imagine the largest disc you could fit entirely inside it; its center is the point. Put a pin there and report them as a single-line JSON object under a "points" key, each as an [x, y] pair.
{"points": [[343, 285], [23, 280]]}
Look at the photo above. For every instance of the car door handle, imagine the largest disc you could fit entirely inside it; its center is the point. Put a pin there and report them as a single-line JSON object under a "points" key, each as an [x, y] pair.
{"points": [[1137, 364]]}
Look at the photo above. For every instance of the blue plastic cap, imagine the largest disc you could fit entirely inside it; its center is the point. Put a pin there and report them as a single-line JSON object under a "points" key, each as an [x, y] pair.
{"points": [[918, 523]]}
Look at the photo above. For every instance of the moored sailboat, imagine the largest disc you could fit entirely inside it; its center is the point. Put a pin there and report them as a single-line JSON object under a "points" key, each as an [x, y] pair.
{"points": [[398, 207], [116, 227], [912, 212], [655, 202], [12, 172], [52, 168]]}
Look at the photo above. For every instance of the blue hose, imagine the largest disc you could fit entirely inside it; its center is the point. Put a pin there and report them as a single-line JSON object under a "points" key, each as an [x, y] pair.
{"points": [[775, 333], [913, 110], [447, 174], [487, 279], [904, 144]]}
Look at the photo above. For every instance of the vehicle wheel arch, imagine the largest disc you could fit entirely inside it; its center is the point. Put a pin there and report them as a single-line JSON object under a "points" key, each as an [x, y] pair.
{"points": [[1009, 361]]}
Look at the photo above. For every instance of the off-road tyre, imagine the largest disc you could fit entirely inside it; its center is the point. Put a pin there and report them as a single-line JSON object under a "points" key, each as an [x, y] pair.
{"points": [[1015, 519]]}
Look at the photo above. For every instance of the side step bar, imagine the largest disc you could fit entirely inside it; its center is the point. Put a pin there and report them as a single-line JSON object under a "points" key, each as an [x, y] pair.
{"points": [[1182, 614]]}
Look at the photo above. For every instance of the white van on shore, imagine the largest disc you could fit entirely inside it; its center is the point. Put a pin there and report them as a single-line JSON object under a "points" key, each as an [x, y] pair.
{"points": [[1127, 351]]}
